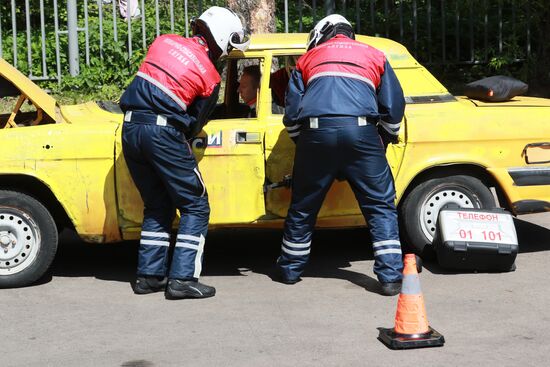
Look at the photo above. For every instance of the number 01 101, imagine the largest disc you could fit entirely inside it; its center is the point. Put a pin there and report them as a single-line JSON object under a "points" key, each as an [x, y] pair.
{"points": [[487, 235]]}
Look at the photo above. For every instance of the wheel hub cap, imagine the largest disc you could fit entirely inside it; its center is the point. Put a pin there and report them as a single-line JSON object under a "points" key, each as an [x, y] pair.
{"points": [[19, 240], [7, 239]]}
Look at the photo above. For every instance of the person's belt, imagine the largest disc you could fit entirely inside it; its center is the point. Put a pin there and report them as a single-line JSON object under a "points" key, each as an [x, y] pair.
{"points": [[152, 119], [341, 121]]}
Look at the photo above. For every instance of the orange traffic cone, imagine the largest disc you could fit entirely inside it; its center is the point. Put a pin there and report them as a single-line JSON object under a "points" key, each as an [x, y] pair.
{"points": [[411, 325]]}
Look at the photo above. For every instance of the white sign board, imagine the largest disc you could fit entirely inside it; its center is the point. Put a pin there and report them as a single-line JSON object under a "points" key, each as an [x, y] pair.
{"points": [[474, 226]]}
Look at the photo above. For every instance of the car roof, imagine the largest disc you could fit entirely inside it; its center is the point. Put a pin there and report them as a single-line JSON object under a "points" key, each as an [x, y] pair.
{"points": [[396, 53], [27, 87]]}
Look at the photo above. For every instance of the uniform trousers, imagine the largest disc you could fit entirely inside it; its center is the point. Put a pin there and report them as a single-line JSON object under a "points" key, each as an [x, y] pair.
{"points": [[340, 147], [166, 174]]}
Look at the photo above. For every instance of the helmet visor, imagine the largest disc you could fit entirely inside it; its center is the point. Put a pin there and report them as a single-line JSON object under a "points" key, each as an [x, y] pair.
{"points": [[311, 39], [236, 42]]}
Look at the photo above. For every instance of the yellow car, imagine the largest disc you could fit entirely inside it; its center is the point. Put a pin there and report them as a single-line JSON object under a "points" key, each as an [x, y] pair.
{"points": [[62, 166]]}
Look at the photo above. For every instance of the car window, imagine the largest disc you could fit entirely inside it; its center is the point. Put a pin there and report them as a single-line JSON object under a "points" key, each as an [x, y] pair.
{"points": [[419, 82], [230, 101], [281, 67]]}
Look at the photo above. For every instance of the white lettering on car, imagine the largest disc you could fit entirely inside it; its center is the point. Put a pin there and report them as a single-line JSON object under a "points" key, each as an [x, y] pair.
{"points": [[215, 140], [212, 141]]}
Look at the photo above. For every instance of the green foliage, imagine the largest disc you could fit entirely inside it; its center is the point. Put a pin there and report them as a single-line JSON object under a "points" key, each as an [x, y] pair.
{"points": [[109, 69], [471, 47], [475, 43]]}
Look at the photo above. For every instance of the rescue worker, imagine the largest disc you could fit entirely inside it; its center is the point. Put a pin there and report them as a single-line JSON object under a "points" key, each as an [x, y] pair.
{"points": [[343, 105], [166, 104]]}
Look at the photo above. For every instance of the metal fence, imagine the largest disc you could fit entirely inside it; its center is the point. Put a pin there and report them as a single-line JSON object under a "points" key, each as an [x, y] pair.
{"points": [[49, 39]]}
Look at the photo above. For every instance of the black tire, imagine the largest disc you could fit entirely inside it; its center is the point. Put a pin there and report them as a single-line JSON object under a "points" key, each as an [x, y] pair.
{"points": [[419, 264], [28, 239], [419, 211]]}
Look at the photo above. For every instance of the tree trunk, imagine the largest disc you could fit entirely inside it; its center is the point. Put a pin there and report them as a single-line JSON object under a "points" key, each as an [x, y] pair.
{"points": [[258, 14]]}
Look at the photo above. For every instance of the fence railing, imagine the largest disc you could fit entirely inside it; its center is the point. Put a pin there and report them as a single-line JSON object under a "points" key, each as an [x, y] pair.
{"points": [[51, 39]]}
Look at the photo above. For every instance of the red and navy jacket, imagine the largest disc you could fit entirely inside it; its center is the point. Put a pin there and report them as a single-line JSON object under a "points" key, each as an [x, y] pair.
{"points": [[344, 77], [177, 80]]}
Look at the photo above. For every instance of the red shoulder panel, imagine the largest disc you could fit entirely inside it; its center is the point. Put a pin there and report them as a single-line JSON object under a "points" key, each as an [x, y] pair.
{"points": [[344, 57], [180, 67]]}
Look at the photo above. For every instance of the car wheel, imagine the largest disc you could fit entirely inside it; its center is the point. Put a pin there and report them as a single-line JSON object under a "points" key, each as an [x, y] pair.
{"points": [[420, 209], [28, 239]]}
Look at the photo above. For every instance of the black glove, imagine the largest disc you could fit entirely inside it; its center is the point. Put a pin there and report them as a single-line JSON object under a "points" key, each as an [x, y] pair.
{"points": [[387, 138]]}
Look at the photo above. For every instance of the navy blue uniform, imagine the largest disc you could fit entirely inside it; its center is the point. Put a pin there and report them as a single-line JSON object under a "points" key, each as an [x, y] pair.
{"points": [[166, 104], [343, 103]]}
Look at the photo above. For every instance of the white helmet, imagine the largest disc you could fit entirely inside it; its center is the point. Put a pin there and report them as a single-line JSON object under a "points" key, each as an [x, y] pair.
{"points": [[325, 30], [224, 28]]}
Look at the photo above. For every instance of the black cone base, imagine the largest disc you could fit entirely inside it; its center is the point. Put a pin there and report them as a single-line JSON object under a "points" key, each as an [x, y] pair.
{"points": [[400, 341]]}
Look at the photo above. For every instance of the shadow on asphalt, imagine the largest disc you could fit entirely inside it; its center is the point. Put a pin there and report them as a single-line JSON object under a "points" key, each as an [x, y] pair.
{"points": [[75, 258], [257, 250], [532, 237], [229, 252], [233, 251]]}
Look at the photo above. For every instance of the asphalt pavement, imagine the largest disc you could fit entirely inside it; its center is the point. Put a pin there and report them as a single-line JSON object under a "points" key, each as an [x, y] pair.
{"points": [[85, 314]]}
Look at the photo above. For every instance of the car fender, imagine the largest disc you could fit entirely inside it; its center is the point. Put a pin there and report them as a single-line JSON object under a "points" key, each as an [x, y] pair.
{"points": [[76, 163]]}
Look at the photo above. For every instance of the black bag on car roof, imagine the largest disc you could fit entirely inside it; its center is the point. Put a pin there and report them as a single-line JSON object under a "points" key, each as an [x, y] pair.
{"points": [[497, 88]]}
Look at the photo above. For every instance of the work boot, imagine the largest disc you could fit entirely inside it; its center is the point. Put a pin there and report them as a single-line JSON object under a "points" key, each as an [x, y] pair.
{"points": [[289, 281], [391, 289], [279, 277], [148, 284], [180, 289]]}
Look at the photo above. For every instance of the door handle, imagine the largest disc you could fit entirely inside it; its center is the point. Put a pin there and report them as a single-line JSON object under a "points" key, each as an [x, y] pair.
{"points": [[537, 153], [244, 137]]}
